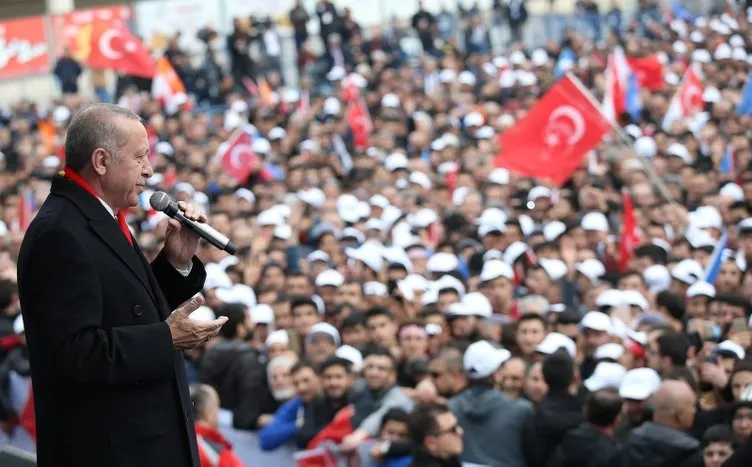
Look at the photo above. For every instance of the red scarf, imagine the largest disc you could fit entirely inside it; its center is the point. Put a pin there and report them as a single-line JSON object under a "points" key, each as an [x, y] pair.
{"points": [[68, 173]]}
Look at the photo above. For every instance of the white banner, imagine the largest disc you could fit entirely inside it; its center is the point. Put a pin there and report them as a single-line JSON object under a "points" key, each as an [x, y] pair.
{"points": [[157, 21]]}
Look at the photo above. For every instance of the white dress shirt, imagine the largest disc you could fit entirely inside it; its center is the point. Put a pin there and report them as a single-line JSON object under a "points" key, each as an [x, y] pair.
{"points": [[185, 272]]}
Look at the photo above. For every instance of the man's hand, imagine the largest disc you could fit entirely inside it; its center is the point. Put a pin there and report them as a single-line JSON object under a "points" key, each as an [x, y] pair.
{"points": [[181, 243], [188, 333], [264, 420]]}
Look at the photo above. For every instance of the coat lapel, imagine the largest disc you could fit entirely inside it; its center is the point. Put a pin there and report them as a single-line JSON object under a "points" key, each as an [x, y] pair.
{"points": [[162, 305], [109, 231]]}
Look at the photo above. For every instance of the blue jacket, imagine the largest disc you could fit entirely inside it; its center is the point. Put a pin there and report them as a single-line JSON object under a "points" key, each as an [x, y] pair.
{"points": [[283, 426]]}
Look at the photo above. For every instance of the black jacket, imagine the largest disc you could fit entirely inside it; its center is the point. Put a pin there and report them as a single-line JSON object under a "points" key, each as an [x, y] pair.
{"points": [[18, 362], [424, 459], [109, 389], [580, 446], [654, 445], [226, 365], [316, 418], [557, 413]]}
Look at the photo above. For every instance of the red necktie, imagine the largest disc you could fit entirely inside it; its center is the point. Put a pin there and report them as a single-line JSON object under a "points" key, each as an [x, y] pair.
{"points": [[75, 178]]}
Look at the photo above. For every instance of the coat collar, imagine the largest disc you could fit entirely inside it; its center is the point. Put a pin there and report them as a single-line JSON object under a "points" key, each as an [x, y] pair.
{"points": [[107, 229]]}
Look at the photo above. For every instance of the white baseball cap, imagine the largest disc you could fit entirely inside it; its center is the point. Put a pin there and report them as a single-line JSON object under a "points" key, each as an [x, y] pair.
{"points": [[330, 277], [478, 304], [554, 341], [701, 288], [596, 321], [442, 262], [555, 268], [610, 297], [324, 328], [262, 314], [657, 277], [732, 347], [591, 268], [482, 359], [352, 355], [610, 350], [277, 337], [449, 282], [687, 271], [634, 298], [493, 269], [639, 384], [606, 375], [595, 221]]}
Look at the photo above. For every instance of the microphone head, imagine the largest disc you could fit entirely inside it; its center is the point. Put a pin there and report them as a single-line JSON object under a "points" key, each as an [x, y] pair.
{"points": [[160, 201]]}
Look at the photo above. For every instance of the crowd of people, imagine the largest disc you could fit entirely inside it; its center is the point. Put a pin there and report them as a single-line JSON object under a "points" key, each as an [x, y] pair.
{"points": [[401, 300]]}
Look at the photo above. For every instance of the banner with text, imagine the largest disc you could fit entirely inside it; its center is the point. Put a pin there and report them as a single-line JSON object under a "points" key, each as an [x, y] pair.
{"points": [[74, 29], [157, 22], [24, 49]]}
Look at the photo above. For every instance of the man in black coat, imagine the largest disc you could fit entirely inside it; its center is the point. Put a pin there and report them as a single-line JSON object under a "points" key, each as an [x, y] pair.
{"points": [[105, 350], [593, 438]]}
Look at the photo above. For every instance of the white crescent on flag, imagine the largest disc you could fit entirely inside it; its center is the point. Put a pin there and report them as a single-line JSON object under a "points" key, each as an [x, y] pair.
{"points": [[105, 44], [565, 122], [237, 153]]}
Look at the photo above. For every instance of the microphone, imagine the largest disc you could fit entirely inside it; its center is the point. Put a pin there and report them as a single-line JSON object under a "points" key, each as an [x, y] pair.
{"points": [[161, 202]]}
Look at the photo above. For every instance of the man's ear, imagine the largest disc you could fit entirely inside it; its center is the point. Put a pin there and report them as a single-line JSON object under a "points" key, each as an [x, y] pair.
{"points": [[100, 161]]}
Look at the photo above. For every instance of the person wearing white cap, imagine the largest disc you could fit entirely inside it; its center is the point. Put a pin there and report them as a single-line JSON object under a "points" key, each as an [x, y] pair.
{"points": [[321, 342], [596, 331], [699, 296], [529, 333], [607, 375], [496, 283], [277, 343], [305, 313], [488, 415], [327, 285]]}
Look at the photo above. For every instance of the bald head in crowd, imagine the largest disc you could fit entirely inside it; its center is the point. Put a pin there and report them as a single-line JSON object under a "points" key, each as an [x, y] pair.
{"points": [[674, 405]]}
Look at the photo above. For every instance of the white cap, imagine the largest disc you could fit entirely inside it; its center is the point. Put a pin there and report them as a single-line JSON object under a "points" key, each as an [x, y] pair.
{"points": [[701, 288], [324, 328], [596, 321], [733, 191], [352, 355], [499, 176], [202, 313], [390, 100], [269, 217], [379, 201], [318, 255], [473, 119], [261, 146], [330, 278], [18, 323], [277, 133], [467, 78], [606, 375], [488, 132], [239, 293], [442, 262], [283, 231], [591, 268], [514, 251], [375, 289], [554, 341], [538, 192], [687, 271], [722, 52], [494, 268], [277, 337], [313, 197], [645, 146], [449, 282], [369, 254], [216, 277], [395, 161], [639, 384], [594, 221], [657, 277], [539, 57], [679, 150], [552, 230], [555, 268], [482, 359], [733, 347], [701, 56], [517, 57], [478, 304], [492, 216], [262, 314], [610, 350], [419, 178], [634, 298]]}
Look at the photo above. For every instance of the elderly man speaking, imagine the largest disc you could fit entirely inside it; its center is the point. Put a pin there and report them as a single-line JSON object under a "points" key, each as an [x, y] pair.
{"points": [[105, 347]]}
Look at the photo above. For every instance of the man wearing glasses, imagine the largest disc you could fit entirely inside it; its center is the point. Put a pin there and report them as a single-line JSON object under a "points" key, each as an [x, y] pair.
{"points": [[437, 436]]}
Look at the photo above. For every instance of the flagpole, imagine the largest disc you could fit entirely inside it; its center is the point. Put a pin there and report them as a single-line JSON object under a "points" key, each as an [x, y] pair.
{"points": [[662, 188]]}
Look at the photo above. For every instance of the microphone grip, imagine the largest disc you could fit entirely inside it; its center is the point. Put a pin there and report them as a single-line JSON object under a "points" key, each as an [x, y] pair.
{"points": [[207, 232]]}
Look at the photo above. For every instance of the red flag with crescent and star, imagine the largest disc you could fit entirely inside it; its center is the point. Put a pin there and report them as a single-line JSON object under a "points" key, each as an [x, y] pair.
{"points": [[238, 157], [552, 139], [115, 48]]}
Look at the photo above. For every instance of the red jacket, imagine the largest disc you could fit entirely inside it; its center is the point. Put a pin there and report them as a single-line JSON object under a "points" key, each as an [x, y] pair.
{"points": [[213, 449], [336, 430]]}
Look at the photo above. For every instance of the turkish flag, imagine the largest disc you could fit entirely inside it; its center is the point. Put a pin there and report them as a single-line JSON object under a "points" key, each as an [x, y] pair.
{"points": [[359, 121], [649, 71], [114, 47], [554, 136], [238, 159], [630, 235]]}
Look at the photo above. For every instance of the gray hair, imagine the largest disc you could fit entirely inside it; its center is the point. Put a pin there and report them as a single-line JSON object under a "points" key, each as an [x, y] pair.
{"points": [[95, 127], [203, 397], [277, 362], [533, 304]]}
